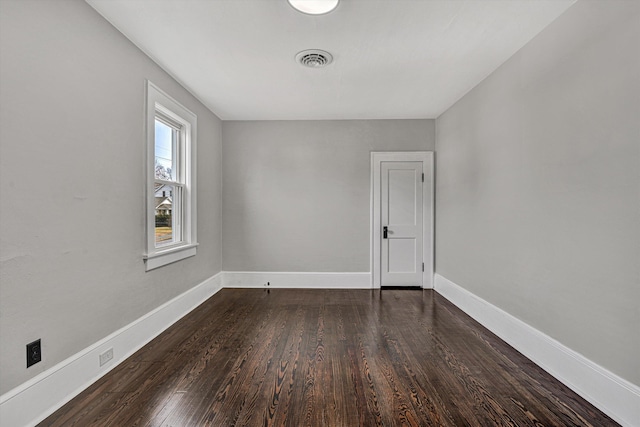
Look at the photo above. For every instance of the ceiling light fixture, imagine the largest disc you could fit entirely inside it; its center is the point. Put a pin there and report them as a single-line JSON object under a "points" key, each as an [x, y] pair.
{"points": [[314, 7]]}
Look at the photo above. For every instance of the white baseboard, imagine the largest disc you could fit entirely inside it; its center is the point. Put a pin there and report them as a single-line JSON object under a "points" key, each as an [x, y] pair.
{"points": [[36, 399], [613, 395], [259, 279]]}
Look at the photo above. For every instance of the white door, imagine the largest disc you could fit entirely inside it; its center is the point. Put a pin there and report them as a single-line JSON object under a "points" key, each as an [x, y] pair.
{"points": [[402, 219], [401, 224]]}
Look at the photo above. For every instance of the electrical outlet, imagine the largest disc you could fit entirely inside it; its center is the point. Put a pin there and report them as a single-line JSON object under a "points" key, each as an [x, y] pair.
{"points": [[34, 353], [106, 356]]}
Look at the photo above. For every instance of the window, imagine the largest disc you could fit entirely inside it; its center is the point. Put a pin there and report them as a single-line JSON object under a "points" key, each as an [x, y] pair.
{"points": [[170, 174]]}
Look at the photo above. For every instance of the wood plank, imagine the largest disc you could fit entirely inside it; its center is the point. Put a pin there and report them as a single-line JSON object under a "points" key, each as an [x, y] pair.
{"points": [[293, 357]]}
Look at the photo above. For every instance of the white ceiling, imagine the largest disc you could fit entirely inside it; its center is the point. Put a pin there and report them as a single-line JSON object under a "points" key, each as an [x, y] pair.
{"points": [[392, 58]]}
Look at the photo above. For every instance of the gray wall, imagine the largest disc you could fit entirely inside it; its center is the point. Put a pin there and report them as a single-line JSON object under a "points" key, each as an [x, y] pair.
{"points": [[297, 193], [538, 185], [71, 184]]}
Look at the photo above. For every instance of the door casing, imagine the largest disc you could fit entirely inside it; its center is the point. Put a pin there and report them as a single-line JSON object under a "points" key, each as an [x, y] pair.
{"points": [[427, 159]]}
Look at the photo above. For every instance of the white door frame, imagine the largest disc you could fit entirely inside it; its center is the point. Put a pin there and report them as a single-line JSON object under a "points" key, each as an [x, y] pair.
{"points": [[426, 157]]}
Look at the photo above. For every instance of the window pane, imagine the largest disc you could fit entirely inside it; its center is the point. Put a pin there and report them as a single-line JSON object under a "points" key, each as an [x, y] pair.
{"points": [[164, 136], [164, 214]]}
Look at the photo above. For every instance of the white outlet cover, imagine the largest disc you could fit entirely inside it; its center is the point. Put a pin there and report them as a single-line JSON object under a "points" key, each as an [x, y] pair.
{"points": [[106, 356]]}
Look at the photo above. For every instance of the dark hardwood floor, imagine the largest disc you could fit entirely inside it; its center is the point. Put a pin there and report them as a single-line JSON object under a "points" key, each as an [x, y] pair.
{"points": [[248, 357]]}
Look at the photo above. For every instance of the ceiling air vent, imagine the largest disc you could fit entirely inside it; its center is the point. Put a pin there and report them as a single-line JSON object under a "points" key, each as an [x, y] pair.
{"points": [[314, 58]]}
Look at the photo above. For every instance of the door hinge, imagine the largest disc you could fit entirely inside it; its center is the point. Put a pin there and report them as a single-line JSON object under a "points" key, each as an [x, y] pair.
{"points": [[423, 267], [422, 177]]}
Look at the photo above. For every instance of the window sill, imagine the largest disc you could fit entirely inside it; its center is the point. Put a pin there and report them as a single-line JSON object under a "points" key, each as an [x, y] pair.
{"points": [[168, 256]]}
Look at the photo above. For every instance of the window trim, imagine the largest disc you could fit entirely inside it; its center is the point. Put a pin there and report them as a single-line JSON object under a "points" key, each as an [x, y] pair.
{"points": [[158, 103]]}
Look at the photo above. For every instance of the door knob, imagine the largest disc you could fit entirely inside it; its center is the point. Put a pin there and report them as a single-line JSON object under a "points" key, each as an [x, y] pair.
{"points": [[385, 230]]}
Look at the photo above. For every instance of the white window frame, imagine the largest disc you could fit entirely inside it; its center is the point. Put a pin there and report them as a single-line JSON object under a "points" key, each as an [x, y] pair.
{"points": [[159, 104]]}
